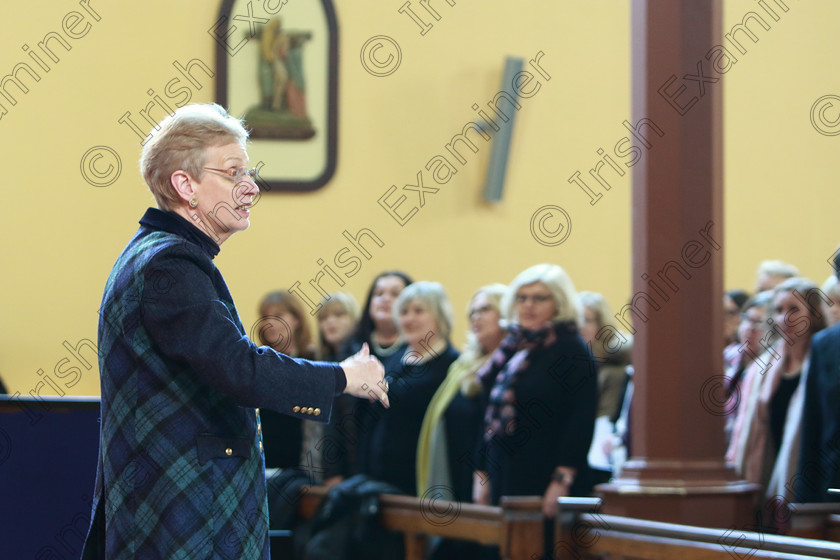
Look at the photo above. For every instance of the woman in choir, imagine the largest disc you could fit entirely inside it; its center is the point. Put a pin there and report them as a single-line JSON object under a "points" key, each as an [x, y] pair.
{"points": [[283, 327], [454, 416], [751, 330], [733, 301], [388, 443], [765, 440], [337, 319], [831, 303], [612, 349], [541, 387], [334, 444], [377, 327]]}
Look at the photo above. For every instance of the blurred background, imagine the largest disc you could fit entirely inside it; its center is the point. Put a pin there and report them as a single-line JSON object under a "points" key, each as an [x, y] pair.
{"points": [[61, 234]]}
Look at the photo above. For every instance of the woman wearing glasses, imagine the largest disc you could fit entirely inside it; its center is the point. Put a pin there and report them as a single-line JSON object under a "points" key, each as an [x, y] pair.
{"points": [[181, 471], [735, 362], [541, 387]]}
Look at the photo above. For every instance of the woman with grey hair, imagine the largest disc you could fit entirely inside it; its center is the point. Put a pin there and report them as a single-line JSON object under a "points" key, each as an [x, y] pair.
{"points": [[388, 447], [541, 387], [181, 471]]}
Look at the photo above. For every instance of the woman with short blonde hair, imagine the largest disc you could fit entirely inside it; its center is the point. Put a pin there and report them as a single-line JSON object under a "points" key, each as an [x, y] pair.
{"points": [[541, 389]]}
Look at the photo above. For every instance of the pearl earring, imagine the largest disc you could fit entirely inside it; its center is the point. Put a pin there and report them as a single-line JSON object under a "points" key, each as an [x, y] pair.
{"points": [[193, 203]]}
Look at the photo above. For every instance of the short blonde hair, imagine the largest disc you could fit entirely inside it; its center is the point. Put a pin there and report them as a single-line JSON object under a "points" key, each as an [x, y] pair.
{"points": [[341, 300], [775, 269], [494, 293], [433, 296], [559, 284], [597, 303], [180, 142]]}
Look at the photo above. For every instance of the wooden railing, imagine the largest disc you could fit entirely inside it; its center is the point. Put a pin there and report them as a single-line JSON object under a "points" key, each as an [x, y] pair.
{"points": [[582, 533], [516, 526], [815, 521]]}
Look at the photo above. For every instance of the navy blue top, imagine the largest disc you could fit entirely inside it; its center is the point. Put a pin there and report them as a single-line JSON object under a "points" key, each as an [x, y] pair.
{"points": [[819, 462], [180, 469], [387, 448], [171, 222]]}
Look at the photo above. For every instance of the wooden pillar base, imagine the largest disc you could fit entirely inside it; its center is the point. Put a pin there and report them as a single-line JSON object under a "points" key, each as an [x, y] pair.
{"points": [[704, 494]]}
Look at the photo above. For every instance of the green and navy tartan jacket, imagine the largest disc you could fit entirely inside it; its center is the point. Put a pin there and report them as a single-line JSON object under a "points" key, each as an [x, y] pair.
{"points": [[181, 473]]}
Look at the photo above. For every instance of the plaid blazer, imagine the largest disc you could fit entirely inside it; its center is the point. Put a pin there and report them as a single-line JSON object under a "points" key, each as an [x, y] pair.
{"points": [[181, 472]]}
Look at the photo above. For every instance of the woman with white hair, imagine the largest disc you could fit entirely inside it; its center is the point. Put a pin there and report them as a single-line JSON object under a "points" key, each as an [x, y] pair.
{"points": [[181, 471], [387, 450], [541, 387]]}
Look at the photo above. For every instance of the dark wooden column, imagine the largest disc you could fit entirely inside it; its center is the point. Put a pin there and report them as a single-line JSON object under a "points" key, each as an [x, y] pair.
{"points": [[676, 472]]}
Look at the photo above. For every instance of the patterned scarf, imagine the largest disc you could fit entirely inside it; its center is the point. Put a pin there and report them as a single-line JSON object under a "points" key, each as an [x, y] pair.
{"points": [[509, 359]]}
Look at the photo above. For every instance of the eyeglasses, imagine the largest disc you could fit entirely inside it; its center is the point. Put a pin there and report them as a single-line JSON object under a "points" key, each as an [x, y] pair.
{"points": [[478, 311], [236, 173], [754, 323], [536, 298]]}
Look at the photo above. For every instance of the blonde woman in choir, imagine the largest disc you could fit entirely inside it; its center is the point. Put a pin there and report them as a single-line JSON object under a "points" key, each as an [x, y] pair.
{"points": [[335, 442], [454, 416], [612, 350]]}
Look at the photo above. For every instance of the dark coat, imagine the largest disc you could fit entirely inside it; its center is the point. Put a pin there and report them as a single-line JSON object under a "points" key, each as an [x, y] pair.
{"points": [[819, 463], [181, 471], [556, 400], [387, 449]]}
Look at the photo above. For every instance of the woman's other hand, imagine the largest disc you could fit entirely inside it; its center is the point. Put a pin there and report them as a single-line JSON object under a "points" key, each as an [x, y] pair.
{"points": [[481, 488]]}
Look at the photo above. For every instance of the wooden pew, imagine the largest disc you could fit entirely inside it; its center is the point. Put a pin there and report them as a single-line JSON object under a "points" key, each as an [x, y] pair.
{"points": [[583, 533], [516, 526], [813, 521]]}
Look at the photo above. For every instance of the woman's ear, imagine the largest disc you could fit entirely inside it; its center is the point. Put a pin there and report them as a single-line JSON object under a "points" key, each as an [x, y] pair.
{"points": [[183, 184]]}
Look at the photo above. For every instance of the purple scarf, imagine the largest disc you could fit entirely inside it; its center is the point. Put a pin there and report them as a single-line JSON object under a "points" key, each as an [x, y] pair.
{"points": [[509, 359]]}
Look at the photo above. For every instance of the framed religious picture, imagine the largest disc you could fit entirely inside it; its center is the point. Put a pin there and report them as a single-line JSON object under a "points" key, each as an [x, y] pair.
{"points": [[277, 64]]}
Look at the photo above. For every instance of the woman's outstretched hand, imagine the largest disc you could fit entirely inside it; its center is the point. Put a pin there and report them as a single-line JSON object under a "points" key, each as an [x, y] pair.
{"points": [[366, 377]]}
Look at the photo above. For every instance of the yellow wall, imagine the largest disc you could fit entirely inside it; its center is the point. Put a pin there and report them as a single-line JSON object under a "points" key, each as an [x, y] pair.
{"points": [[61, 235]]}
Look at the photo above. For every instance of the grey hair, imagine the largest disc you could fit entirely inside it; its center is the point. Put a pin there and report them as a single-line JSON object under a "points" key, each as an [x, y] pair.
{"points": [[433, 296], [180, 142]]}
